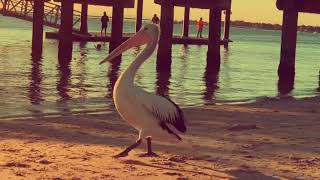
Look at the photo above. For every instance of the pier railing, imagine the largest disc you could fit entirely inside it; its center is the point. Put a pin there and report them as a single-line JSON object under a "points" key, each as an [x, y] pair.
{"points": [[23, 9]]}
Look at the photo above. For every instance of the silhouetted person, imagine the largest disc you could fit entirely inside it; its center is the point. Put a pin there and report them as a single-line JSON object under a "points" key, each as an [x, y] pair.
{"points": [[155, 19], [98, 46], [200, 28], [104, 23]]}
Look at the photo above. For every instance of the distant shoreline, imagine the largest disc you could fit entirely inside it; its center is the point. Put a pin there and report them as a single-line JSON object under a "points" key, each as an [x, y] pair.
{"points": [[266, 26]]}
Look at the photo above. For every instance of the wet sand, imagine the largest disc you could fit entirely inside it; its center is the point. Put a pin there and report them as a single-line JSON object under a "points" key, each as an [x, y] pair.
{"points": [[268, 139]]}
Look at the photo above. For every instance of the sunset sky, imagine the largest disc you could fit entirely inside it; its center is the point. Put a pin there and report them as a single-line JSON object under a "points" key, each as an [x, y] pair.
{"points": [[247, 10]]}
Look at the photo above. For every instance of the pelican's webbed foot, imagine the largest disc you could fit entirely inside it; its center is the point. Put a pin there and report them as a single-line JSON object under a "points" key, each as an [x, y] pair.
{"points": [[122, 154], [150, 153], [126, 152]]}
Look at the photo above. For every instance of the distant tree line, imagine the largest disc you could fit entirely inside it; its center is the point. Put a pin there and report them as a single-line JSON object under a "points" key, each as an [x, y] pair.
{"points": [[266, 26], [256, 25]]}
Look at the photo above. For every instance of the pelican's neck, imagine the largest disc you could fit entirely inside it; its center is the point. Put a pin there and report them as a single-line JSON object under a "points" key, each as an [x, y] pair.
{"points": [[129, 74]]}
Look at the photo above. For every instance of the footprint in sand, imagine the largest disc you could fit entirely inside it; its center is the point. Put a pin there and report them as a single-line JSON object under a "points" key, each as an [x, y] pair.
{"points": [[180, 159], [18, 165], [172, 174], [45, 162]]}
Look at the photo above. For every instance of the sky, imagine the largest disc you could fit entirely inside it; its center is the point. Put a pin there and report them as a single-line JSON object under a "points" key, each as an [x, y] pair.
{"points": [[247, 10]]}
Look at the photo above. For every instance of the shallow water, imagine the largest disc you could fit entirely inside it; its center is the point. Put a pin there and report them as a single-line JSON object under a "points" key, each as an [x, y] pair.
{"points": [[248, 71]]}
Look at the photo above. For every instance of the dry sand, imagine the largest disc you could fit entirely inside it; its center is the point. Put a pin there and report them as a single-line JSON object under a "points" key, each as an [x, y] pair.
{"points": [[268, 139]]}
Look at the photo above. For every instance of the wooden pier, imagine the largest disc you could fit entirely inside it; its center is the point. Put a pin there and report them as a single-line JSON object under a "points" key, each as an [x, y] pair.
{"points": [[63, 18], [291, 9], [214, 40], [96, 37], [65, 33]]}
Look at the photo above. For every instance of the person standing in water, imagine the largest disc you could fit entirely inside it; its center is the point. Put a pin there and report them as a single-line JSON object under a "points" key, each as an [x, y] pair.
{"points": [[155, 19], [104, 23], [200, 28]]}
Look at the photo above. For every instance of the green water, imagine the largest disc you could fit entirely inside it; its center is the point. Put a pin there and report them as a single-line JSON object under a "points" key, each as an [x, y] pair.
{"points": [[248, 71]]}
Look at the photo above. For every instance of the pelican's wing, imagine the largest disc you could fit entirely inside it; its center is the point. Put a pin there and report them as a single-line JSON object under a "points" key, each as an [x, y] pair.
{"points": [[164, 110]]}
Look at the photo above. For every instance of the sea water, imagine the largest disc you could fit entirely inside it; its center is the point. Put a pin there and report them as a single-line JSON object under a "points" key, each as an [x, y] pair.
{"points": [[248, 71]]}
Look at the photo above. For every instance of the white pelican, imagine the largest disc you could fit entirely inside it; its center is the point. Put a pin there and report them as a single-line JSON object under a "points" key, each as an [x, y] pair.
{"points": [[150, 114]]}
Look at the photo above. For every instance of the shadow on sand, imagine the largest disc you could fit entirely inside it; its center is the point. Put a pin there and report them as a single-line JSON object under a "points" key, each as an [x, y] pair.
{"points": [[278, 132]]}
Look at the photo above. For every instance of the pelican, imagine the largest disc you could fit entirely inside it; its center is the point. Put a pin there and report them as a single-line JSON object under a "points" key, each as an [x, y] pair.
{"points": [[152, 115]]}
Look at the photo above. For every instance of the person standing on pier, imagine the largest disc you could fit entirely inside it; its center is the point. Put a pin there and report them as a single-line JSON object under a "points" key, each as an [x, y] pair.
{"points": [[104, 23], [200, 28], [155, 19]]}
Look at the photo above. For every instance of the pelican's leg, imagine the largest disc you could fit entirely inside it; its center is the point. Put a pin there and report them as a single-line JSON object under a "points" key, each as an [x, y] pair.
{"points": [[150, 153], [126, 152]]}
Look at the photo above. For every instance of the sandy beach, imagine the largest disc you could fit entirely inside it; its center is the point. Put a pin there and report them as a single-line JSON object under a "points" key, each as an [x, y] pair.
{"points": [[267, 139]]}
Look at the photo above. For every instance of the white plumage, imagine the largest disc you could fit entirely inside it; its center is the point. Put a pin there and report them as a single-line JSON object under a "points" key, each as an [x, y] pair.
{"points": [[150, 114]]}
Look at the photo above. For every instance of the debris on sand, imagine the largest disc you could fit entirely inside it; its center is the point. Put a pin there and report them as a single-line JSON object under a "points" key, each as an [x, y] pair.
{"points": [[242, 127]]}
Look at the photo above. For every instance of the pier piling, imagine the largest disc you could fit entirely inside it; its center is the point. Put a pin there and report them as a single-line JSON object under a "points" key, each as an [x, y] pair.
{"points": [[291, 9], [227, 28], [139, 15], [117, 27], [84, 17], [186, 20], [286, 69], [37, 27], [213, 54], [65, 32], [165, 42]]}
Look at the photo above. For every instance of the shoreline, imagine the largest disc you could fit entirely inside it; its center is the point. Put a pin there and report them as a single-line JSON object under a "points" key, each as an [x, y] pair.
{"points": [[33, 111], [267, 139]]}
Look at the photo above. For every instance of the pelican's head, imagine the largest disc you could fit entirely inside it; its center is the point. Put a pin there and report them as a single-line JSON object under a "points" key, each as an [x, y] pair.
{"points": [[146, 35]]}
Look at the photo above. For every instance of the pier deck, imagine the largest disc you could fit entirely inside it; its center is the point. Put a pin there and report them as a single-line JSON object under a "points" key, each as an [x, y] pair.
{"points": [[95, 37]]}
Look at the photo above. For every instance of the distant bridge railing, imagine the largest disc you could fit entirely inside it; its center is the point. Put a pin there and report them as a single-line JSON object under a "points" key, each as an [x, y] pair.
{"points": [[23, 9]]}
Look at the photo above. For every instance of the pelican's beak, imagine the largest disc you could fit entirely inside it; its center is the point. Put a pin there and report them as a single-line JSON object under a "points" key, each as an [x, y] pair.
{"points": [[140, 38]]}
